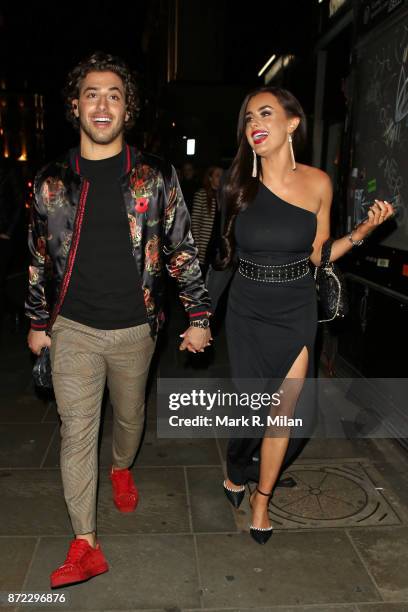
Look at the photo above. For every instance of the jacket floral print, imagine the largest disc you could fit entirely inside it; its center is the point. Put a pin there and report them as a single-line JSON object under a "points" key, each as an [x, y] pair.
{"points": [[159, 236]]}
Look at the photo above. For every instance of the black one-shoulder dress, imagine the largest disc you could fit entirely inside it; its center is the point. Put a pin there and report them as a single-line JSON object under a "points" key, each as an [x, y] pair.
{"points": [[269, 323]]}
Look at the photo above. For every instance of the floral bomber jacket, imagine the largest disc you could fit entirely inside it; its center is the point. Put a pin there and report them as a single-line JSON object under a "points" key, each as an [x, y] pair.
{"points": [[159, 236]]}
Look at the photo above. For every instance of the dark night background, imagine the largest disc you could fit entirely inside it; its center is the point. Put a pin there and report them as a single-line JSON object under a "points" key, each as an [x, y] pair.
{"points": [[221, 46], [339, 546], [196, 60]]}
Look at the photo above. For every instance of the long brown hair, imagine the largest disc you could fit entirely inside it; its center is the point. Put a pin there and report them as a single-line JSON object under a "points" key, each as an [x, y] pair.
{"points": [[240, 187]]}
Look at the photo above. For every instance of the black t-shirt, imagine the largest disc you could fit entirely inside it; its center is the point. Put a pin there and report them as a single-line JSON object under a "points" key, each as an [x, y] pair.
{"points": [[105, 290]]}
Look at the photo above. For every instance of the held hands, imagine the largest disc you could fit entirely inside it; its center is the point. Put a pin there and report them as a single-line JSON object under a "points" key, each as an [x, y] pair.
{"points": [[378, 212], [36, 340], [195, 339]]}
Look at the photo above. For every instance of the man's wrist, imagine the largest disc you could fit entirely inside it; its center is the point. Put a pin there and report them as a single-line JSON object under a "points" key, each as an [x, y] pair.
{"points": [[203, 323], [38, 326]]}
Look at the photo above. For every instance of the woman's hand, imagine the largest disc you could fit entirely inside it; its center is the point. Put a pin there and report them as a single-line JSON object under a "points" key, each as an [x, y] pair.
{"points": [[195, 339], [378, 212]]}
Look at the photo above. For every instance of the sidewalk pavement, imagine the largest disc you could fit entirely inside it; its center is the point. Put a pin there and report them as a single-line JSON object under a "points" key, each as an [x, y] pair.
{"points": [[341, 536]]}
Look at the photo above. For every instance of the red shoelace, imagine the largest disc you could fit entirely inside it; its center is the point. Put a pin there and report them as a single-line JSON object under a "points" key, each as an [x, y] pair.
{"points": [[124, 488], [76, 550]]}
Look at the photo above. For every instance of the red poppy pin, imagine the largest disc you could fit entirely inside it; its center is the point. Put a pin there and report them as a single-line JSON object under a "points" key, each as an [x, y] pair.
{"points": [[142, 204]]}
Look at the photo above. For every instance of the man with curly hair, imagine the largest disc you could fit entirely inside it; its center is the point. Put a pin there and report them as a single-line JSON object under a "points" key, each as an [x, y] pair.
{"points": [[107, 221]]}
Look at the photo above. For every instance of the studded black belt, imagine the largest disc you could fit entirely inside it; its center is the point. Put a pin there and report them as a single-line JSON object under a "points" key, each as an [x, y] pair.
{"points": [[275, 273]]}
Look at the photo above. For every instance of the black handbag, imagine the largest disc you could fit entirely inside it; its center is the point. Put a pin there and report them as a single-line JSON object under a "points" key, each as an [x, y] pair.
{"points": [[330, 286], [42, 370]]}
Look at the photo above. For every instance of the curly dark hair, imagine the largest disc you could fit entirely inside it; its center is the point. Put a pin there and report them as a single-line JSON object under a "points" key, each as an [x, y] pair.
{"points": [[101, 62]]}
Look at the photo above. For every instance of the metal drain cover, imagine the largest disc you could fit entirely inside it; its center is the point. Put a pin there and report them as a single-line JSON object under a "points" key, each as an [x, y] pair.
{"points": [[335, 495]]}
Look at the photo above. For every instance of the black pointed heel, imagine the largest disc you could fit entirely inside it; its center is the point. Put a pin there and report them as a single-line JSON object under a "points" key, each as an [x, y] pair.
{"points": [[235, 497], [286, 483], [260, 534]]}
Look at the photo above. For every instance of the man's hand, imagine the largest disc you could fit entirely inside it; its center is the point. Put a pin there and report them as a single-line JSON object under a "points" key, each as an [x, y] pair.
{"points": [[195, 339], [4, 236], [37, 340]]}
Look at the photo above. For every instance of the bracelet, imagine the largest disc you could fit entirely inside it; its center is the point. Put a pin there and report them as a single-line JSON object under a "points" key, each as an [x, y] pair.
{"points": [[354, 242], [201, 323]]}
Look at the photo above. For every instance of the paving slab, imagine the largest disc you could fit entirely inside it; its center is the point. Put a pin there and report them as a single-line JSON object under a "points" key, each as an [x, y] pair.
{"points": [[15, 380], [319, 567], [165, 451], [32, 503], [145, 572], [15, 557], [320, 448], [383, 607], [390, 485], [51, 415], [18, 356], [162, 506], [153, 451], [325, 608], [394, 472], [385, 554], [210, 509], [333, 448], [24, 445], [24, 408]]}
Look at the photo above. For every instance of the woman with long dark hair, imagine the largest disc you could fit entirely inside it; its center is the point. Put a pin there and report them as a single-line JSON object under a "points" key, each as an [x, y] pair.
{"points": [[277, 217]]}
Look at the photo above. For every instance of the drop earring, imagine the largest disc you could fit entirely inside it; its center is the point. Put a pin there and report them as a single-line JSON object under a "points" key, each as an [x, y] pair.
{"points": [[254, 166], [292, 155]]}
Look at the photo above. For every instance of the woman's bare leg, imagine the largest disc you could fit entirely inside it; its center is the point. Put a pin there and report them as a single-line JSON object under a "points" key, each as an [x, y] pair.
{"points": [[273, 449]]}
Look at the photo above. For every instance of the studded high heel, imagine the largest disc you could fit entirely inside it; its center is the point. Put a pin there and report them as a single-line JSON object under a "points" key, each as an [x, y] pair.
{"points": [[234, 496], [260, 534]]}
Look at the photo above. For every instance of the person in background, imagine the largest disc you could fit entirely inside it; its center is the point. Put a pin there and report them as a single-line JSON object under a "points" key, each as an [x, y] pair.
{"points": [[188, 183], [204, 212]]}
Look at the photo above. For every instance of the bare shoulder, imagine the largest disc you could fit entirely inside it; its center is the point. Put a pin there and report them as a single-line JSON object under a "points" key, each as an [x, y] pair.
{"points": [[319, 185], [316, 177]]}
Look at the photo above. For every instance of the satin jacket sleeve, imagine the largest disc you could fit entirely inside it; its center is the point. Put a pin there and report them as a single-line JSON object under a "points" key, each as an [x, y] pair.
{"points": [[181, 254], [36, 304]]}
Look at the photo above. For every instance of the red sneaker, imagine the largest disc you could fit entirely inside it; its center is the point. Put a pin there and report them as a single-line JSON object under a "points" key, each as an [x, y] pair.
{"points": [[82, 563], [125, 493]]}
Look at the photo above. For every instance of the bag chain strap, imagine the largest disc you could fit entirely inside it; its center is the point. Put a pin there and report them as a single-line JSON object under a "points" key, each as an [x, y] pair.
{"points": [[327, 267], [329, 270]]}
